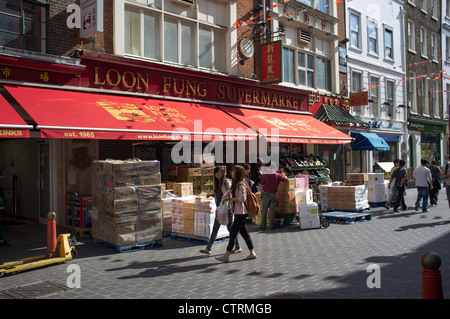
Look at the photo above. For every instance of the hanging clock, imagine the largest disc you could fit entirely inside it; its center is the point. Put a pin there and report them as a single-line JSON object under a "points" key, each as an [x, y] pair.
{"points": [[246, 48]]}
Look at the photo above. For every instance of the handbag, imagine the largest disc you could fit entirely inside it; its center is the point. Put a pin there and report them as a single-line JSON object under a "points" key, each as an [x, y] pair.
{"points": [[222, 214]]}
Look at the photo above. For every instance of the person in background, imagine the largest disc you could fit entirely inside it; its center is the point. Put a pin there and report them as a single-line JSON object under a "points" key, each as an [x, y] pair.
{"points": [[221, 186], [434, 157], [247, 178], [435, 182], [269, 188], [255, 174], [400, 185], [393, 189], [237, 194], [422, 176], [445, 175]]}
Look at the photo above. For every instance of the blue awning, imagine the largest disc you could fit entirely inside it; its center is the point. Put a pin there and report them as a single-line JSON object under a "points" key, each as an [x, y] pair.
{"points": [[368, 142]]}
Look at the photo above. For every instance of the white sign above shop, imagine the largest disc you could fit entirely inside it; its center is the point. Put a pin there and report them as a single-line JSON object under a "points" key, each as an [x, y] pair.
{"points": [[91, 17]]}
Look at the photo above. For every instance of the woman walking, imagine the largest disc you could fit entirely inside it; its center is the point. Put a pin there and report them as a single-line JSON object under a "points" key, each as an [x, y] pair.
{"points": [[221, 185], [237, 194]]}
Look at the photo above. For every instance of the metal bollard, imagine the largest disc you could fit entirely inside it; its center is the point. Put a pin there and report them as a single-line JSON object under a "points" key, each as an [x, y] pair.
{"points": [[431, 276], [51, 235]]}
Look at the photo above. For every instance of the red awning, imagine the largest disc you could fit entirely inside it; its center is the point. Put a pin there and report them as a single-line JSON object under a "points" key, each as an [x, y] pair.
{"points": [[84, 115], [286, 127], [11, 124]]}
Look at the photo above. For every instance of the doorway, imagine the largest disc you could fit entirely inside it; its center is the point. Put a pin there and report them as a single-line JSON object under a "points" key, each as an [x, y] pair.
{"points": [[44, 181]]}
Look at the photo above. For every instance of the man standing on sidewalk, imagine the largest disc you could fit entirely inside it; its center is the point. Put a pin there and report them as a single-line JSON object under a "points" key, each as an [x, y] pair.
{"points": [[422, 175], [269, 188], [400, 185], [393, 189]]}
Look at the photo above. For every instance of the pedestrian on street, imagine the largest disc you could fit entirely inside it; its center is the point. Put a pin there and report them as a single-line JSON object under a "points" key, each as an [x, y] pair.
{"points": [[250, 182], [422, 176], [269, 188], [445, 175], [255, 174], [237, 194], [392, 182], [400, 185], [435, 181], [221, 186]]}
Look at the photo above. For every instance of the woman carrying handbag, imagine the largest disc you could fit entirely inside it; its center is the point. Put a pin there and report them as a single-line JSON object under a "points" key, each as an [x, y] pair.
{"points": [[221, 186], [237, 195]]}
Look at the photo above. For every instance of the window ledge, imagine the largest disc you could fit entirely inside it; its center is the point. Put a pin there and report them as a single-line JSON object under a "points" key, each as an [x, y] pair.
{"points": [[373, 55], [434, 18], [388, 60], [411, 4], [421, 10], [356, 49], [435, 61], [412, 51], [424, 56]]}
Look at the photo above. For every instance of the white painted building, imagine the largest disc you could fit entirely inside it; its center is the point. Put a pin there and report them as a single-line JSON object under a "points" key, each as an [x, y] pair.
{"points": [[376, 63]]}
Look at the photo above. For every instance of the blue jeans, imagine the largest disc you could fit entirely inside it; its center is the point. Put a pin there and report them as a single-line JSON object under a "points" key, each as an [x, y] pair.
{"points": [[422, 193]]}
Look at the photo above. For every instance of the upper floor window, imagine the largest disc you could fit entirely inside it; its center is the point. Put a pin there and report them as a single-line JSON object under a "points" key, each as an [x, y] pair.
{"points": [[167, 37], [321, 5], [388, 44], [373, 37], [23, 25], [354, 31]]}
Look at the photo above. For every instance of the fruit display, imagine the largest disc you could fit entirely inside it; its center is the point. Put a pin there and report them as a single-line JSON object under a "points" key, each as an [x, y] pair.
{"points": [[301, 161]]}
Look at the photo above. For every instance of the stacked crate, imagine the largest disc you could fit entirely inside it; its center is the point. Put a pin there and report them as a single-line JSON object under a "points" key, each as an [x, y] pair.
{"points": [[77, 211], [127, 198]]}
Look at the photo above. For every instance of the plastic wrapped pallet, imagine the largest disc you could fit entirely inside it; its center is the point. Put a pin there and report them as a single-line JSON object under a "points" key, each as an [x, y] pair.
{"points": [[127, 201]]}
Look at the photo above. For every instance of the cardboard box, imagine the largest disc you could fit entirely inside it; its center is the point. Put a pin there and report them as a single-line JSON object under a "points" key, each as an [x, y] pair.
{"points": [[148, 231], [287, 185], [184, 172], [308, 210], [208, 171], [154, 179], [309, 222], [183, 189], [121, 206], [375, 178], [357, 178], [287, 208], [145, 204], [303, 197], [301, 182], [151, 215], [286, 197], [123, 218]]}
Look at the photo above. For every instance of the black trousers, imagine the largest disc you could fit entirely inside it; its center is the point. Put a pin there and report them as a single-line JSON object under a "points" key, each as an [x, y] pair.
{"points": [[434, 193], [400, 198], [239, 226]]}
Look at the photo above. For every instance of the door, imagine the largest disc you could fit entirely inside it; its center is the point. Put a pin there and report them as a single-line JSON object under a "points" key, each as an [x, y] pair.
{"points": [[44, 181]]}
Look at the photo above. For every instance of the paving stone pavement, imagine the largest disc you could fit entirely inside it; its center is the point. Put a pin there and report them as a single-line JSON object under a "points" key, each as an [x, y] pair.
{"points": [[292, 263]]}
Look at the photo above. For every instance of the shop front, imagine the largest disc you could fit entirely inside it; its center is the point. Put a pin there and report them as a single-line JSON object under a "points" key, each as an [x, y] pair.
{"points": [[104, 106], [426, 138]]}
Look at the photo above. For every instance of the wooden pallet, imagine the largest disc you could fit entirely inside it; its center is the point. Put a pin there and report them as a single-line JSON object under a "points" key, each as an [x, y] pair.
{"points": [[130, 247], [80, 232], [346, 217], [195, 239]]}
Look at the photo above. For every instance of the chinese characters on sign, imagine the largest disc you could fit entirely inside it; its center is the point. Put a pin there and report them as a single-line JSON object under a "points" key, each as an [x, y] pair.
{"points": [[91, 18], [271, 62], [358, 98]]}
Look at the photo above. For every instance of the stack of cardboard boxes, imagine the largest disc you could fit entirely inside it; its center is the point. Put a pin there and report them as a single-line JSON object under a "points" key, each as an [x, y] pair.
{"points": [[293, 192], [346, 198], [127, 201], [201, 178], [194, 216]]}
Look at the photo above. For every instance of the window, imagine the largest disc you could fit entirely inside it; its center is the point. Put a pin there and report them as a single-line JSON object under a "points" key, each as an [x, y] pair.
{"points": [[388, 44], [374, 87], [433, 40], [435, 98], [390, 89], [412, 91], [177, 42], [373, 36], [23, 25], [411, 36], [305, 69], [423, 42], [288, 65], [323, 73], [354, 30], [356, 86], [321, 5], [434, 9], [423, 5], [447, 9], [447, 49], [309, 69], [423, 96]]}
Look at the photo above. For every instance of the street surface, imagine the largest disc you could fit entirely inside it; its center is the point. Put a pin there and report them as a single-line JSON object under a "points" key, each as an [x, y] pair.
{"points": [[291, 263]]}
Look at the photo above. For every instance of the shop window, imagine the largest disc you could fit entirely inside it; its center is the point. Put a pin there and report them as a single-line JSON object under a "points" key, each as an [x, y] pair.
{"points": [[23, 25]]}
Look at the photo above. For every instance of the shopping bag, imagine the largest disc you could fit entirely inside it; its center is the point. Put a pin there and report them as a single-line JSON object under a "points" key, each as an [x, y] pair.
{"points": [[222, 214]]}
